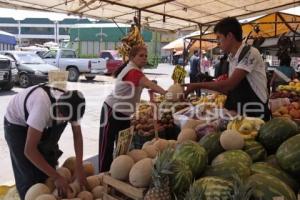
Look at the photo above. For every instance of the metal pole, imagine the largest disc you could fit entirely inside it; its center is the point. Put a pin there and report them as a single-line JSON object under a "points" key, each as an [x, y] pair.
{"points": [[19, 33], [139, 18], [183, 52], [200, 47], [276, 24]]}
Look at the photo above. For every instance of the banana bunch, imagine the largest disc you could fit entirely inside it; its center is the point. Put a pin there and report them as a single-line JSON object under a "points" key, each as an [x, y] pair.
{"points": [[179, 74], [220, 100], [216, 99], [246, 126], [133, 38]]}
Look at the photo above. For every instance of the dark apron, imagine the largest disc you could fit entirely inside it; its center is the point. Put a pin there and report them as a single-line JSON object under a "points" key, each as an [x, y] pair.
{"points": [[244, 94], [48, 145]]}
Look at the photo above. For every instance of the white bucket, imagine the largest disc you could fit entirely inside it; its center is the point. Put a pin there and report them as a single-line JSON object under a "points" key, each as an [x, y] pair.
{"points": [[58, 78]]}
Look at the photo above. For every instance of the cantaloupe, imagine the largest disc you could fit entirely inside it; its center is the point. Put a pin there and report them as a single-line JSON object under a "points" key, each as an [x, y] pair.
{"points": [[88, 168], [50, 184], [46, 197], [148, 143], [65, 172], [36, 190], [137, 154], [140, 173], [187, 134], [75, 186], [93, 181], [71, 193], [151, 150], [161, 144], [101, 175], [175, 92], [70, 163], [121, 166], [85, 195], [231, 140], [98, 191], [172, 143], [191, 123]]}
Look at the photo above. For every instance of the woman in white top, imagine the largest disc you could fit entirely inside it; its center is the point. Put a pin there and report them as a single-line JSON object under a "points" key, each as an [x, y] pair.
{"points": [[121, 103]]}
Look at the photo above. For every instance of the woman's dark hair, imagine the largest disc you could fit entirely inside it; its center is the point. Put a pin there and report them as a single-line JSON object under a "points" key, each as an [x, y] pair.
{"points": [[230, 25], [71, 104], [285, 60], [132, 53]]}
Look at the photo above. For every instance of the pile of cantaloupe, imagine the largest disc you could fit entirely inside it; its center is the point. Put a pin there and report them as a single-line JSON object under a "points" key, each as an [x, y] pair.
{"points": [[188, 131], [47, 190], [136, 166]]}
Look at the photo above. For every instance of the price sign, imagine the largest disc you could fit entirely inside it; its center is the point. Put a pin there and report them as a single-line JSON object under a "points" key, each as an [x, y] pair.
{"points": [[124, 141], [179, 74]]}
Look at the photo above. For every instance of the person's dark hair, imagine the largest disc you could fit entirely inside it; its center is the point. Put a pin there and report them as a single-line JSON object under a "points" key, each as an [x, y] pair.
{"points": [[230, 25], [71, 104], [285, 60], [195, 52], [132, 53]]}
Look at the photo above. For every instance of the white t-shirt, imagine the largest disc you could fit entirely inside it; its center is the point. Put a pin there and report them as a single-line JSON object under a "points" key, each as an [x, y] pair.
{"points": [[253, 63], [38, 106]]}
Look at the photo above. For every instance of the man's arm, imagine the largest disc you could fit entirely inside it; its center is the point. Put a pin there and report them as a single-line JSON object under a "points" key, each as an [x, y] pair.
{"points": [[222, 86], [78, 147], [33, 154]]}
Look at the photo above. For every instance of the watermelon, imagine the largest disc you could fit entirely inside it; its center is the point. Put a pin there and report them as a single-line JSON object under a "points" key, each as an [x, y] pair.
{"points": [[228, 170], [288, 155], [211, 142], [233, 157], [255, 150], [272, 160], [215, 187], [273, 133], [265, 168], [267, 186], [181, 178], [193, 155]]}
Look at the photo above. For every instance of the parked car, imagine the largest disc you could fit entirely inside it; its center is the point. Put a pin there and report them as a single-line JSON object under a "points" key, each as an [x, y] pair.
{"points": [[40, 53], [66, 59], [31, 68], [8, 73], [113, 60]]}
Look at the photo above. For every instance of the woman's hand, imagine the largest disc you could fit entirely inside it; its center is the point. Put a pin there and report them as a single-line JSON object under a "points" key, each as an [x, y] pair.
{"points": [[62, 186]]}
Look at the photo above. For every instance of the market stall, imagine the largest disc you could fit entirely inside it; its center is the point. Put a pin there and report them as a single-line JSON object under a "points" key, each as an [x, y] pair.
{"points": [[187, 148]]}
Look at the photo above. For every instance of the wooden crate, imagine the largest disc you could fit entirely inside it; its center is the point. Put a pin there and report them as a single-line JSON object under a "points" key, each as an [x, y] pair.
{"points": [[119, 190]]}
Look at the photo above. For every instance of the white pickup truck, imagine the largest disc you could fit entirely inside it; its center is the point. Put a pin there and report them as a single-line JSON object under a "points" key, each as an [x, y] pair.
{"points": [[66, 59]]}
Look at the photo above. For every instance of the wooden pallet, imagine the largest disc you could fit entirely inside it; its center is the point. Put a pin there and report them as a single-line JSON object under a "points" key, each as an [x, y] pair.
{"points": [[119, 190]]}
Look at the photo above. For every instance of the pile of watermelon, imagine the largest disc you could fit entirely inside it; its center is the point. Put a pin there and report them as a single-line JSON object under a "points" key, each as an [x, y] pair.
{"points": [[269, 164]]}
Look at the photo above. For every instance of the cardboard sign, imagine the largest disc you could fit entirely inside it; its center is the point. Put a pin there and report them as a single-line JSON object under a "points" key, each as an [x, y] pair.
{"points": [[124, 141], [179, 74]]}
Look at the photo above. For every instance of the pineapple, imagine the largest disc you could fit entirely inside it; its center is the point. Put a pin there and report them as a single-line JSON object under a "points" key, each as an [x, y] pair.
{"points": [[240, 189], [160, 189], [195, 193]]}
